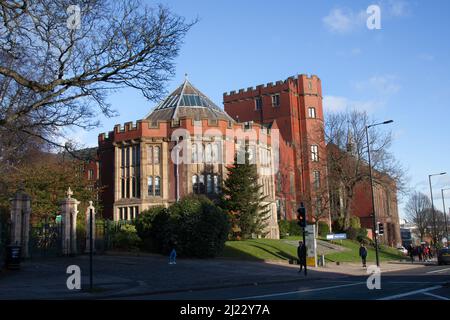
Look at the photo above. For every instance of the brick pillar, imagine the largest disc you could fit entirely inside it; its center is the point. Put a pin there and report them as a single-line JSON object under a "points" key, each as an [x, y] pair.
{"points": [[20, 220], [69, 212], [90, 210]]}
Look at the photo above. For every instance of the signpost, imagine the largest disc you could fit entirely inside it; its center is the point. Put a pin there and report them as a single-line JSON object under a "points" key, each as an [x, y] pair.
{"points": [[311, 246]]}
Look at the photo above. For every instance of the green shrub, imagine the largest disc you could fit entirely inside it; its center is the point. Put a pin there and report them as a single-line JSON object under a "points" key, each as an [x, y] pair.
{"points": [[361, 235], [195, 226], [151, 227], [289, 227], [355, 223], [126, 238], [283, 226], [200, 227], [324, 229], [338, 225]]}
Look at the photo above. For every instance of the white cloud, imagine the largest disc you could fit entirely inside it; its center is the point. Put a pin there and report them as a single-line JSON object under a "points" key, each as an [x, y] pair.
{"points": [[338, 104], [384, 85], [397, 8], [426, 57], [353, 52], [341, 20], [344, 20]]}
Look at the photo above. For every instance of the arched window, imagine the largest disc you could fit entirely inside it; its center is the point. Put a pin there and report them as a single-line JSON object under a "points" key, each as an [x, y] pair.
{"points": [[156, 155], [201, 184], [209, 184], [195, 183], [215, 153], [150, 155], [194, 153], [216, 184], [311, 112], [157, 186], [208, 153], [150, 185]]}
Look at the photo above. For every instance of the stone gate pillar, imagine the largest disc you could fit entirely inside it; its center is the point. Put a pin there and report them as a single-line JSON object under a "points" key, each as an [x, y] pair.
{"points": [[20, 220], [69, 212], [90, 210]]}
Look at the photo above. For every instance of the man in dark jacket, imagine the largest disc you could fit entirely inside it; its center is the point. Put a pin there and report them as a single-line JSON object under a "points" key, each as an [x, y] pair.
{"points": [[301, 253], [363, 254]]}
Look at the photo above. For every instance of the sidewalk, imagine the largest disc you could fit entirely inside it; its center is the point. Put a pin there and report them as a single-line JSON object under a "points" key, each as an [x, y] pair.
{"points": [[129, 275]]}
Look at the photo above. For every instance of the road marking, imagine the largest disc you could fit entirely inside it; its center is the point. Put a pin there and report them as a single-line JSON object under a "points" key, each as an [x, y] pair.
{"points": [[440, 270], [410, 293], [436, 296], [300, 291]]}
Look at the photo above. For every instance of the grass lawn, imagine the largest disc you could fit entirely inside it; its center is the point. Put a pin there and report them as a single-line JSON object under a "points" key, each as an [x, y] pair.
{"points": [[268, 249], [259, 249], [352, 255]]}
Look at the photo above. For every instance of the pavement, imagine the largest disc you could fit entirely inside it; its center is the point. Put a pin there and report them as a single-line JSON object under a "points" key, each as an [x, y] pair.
{"points": [[151, 277]]}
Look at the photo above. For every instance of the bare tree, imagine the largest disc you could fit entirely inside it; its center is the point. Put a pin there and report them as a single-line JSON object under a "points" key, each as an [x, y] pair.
{"points": [[60, 59], [418, 210], [347, 158]]}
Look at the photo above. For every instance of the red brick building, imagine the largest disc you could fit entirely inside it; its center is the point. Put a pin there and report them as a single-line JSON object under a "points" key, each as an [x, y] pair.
{"points": [[183, 146], [295, 106]]}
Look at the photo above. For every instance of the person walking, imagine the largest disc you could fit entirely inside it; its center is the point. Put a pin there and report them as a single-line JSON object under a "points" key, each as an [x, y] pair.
{"points": [[173, 253], [363, 254], [420, 252], [301, 253], [411, 252]]}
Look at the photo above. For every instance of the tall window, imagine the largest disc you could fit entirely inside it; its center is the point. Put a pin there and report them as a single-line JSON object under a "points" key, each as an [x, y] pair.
{"points": [[314, 153], [209, 184], [150, 154], [316, 179], [216, 152], [194, 152], [91, 174], [195, 183], [208, 153], [135, 171], [216, 184], [156, 155], [275, 100], [258, 103], [157, 186], [311, 112], [201, 184], [130, 171], [150, 186]]}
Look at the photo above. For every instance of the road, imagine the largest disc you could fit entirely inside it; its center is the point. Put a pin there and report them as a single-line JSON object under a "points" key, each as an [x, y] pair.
{"points": [[428, 283]]}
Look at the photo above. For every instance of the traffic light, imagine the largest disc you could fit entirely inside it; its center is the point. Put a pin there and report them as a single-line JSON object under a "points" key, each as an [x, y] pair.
{"points": [[380, 228], [301, 216]]}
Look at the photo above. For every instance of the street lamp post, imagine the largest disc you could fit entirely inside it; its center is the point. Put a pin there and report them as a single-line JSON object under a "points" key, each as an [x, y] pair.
{"points": [[374, 221], [432, 205], [445, 214]]}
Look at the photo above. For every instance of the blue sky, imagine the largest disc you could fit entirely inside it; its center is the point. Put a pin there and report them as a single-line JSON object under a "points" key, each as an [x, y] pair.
{"points": [[399, 72]]}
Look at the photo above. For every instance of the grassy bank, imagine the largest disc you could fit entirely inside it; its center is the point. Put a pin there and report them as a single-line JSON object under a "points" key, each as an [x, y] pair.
{"points": [[268, 249], [352, 254], [259, 249]]}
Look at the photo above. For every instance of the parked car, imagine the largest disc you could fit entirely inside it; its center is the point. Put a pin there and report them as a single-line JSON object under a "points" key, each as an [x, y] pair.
{"points": [[443, 256], [403, 250]]}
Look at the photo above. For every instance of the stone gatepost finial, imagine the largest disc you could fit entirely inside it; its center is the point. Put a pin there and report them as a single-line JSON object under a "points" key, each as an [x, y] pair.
{"points": [[69, 193]]}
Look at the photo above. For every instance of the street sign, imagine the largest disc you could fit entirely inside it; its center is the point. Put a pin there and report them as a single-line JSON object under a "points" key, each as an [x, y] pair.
{"points": [[337, 236]]}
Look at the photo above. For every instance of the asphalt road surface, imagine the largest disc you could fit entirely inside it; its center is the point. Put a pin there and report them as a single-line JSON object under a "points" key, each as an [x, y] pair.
{"points": [[429, 283]]}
